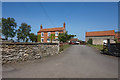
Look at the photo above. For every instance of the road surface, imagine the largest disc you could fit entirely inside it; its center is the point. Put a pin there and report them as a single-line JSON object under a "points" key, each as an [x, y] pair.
{"points": [[78, 61]]}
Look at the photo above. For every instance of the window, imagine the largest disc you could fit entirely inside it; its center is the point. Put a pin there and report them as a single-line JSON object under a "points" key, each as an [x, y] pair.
{"points": [[48, 40], [56, 38], [42, 40], [56, 33], [42, 34], [49, 33]]}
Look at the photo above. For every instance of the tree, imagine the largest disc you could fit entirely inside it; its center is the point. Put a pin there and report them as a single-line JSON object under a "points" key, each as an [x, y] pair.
{"points": [[52, 36], [9, 27], [64, 37], [33, 37], [23, 32], [90, 41]]}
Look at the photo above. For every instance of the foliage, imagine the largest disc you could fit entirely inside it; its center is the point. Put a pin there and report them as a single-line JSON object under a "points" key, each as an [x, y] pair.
{"points": [[0, 26], [23, 32], [52, 36], [64, 37], [39, 38], [116, 40], [64, 47], [90, 41], [33, 37], [8, 27]]}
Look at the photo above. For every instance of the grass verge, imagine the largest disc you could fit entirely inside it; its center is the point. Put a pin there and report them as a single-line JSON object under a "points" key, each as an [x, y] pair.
{"points": [[63, 47], [98, 47]]}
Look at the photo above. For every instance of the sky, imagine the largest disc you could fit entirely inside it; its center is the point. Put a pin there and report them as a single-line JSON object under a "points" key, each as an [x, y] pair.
{"points": [[80, 17]]}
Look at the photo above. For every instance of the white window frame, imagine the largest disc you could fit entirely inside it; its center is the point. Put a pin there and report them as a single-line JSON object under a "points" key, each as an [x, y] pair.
{"points": [[41, 40], [42, 34], [49, 33], [56, 33], [56, 37]]}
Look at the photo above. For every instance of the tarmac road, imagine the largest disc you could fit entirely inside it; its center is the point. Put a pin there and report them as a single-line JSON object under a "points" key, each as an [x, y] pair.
{"points": [[78, 61]]}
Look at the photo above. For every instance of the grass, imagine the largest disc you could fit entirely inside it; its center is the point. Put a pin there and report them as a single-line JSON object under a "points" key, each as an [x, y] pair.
{"points": [[99, 47], [62, 48]]}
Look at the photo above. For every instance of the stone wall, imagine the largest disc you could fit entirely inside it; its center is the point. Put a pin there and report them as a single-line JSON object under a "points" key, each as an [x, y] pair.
{"points": [[15, 52], [114, 49], [98, 40]]}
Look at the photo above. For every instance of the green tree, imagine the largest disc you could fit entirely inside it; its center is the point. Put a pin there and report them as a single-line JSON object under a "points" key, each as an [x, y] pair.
{"points": [[9, 27], [33, 37], [64, 37], [52, 36], [90, 41], [23, 32]]}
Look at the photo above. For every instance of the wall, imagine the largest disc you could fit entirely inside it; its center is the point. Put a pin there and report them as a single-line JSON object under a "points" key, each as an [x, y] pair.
{"points": [[15, 52], [114, 49], [46, 35], [99, 39]]}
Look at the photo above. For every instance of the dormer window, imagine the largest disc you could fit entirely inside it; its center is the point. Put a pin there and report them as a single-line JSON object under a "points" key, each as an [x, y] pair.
{"points": [[56, 33], [49, 33], [42, 34]]}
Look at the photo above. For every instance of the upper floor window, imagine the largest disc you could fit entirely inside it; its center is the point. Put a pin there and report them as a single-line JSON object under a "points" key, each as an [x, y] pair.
{"points": [[49, 33], [56, 33], [42, 34]]}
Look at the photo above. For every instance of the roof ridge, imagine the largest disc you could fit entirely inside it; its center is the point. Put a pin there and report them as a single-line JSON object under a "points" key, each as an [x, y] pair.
{"points": [[102, 31], [54, 27]]}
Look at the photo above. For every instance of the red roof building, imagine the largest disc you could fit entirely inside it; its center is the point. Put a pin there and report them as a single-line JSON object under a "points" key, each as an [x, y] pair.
{"points": [[45, 33], [100, 37]]}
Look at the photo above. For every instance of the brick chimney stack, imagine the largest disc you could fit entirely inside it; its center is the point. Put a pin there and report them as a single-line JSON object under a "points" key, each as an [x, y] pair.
{"points": [[64, 25], [41, 26]]}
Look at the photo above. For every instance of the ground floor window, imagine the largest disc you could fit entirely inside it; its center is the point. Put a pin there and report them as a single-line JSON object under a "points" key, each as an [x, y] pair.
{"points": [[48, 40], [42, 40]]}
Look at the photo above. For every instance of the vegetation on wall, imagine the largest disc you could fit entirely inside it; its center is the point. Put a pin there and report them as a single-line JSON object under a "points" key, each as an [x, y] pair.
{"points": [[39, 38], [52, 36]]}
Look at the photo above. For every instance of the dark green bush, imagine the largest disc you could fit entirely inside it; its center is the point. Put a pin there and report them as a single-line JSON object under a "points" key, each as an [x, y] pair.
{"points": [[90, 41]]}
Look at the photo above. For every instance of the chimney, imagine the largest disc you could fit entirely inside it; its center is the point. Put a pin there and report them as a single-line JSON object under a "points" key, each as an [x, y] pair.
{"points": [[41, 26], [64, 25]]}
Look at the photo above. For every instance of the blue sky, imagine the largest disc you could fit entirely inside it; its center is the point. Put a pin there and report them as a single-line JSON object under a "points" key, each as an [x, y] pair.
{"points": [[80, 17]]}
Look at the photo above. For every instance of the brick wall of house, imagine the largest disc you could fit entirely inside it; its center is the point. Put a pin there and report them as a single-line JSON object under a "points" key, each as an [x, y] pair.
{"points": [[46, 35]]}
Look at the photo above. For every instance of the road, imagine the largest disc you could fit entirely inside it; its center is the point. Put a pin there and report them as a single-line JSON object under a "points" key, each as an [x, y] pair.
{"points": [[78, 61]]}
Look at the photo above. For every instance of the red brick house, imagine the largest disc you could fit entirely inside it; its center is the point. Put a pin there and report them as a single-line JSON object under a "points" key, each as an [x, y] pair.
{"points": [[45, 33]]}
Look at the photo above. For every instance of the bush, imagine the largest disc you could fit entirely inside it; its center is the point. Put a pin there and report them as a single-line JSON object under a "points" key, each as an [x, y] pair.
{"points": [[90, 41]]}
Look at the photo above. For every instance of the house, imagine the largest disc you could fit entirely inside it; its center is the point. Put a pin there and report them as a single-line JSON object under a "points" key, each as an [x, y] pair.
{"points": [[46, 33], [100, 37]]}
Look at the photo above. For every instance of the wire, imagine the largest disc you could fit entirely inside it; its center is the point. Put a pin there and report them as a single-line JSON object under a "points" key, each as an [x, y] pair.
{"points": [[46, 13]]}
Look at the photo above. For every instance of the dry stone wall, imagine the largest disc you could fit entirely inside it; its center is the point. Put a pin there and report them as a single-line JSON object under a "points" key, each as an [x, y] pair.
{"points": [[12, 53]]}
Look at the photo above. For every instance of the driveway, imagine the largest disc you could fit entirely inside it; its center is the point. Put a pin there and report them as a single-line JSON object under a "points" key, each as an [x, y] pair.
{"points": [[77, 61]]}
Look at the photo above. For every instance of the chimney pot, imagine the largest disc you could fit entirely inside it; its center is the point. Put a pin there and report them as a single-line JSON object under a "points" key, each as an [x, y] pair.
{"points": [[64, 25], [41, 26]]}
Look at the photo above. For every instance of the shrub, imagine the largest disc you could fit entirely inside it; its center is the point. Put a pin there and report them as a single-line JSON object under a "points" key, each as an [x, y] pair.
{"points": [[90, 41]]}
